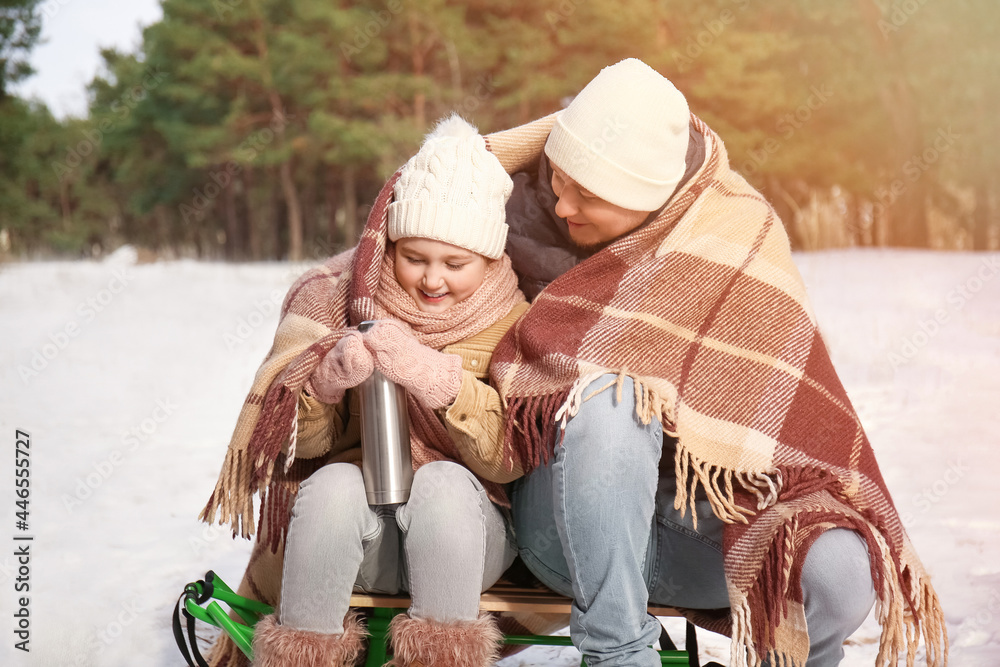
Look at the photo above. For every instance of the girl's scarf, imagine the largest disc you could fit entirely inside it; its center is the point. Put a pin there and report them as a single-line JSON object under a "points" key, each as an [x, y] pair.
{"points": [[494, 299], [429, 439], [704, 309], [319, 309]]}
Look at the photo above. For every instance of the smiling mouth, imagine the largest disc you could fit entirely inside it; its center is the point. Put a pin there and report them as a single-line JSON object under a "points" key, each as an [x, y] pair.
{"points": [[573, 224], [433, 297]]}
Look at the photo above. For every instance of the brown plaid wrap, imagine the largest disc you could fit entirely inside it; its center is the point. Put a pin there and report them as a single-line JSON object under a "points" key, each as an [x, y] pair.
{"points": [[705, 310]]}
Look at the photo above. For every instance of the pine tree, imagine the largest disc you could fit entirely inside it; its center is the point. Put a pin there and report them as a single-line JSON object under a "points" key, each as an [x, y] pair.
{"points": [[20, 26]]}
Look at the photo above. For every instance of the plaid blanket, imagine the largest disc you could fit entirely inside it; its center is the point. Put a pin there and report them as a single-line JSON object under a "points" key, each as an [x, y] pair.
{"points": [[705, 310]]}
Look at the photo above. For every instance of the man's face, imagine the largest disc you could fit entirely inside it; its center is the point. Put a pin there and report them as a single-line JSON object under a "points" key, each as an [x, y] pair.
{"points": [[592, 221]]}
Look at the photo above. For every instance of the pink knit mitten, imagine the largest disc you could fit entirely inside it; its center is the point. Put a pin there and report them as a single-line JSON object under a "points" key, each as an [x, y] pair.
{"points": [[433, 377], [347, 365]]}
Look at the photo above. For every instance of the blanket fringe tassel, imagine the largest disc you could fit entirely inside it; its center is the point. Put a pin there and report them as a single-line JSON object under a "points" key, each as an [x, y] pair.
{"points": [[742, 652], [903, 620], [717, 483], [660, 403], [902, 623], [232, 499], [248, 470], [649, 403]]}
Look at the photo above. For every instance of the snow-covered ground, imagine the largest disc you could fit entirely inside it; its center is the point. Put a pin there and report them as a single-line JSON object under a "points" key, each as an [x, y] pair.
{"points": [[128, 380]]}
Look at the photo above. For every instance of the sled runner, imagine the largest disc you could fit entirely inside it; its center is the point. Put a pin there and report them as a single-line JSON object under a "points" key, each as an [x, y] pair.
{"points": [[200, 602]]}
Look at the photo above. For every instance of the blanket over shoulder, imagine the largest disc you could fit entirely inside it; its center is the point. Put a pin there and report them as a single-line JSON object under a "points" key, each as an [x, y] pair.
{"points": [[705, 310]]}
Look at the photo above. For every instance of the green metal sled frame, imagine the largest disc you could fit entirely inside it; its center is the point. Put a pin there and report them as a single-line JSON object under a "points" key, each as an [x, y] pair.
{"points": [[200, 601]]}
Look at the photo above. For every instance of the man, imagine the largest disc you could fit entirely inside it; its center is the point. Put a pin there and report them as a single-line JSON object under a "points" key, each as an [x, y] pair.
{"points": [[688, 440]]}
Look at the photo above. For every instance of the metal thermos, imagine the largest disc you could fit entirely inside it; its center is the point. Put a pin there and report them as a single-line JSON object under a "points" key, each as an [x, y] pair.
{"points": [[385, 439]]}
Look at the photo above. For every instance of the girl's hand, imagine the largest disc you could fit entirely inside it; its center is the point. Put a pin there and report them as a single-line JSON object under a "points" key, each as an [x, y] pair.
{"points": [[433, 377], [346, 365]]}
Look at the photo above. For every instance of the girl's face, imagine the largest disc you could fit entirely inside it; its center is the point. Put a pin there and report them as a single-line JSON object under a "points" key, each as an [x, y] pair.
{"points": [[437, 275]]}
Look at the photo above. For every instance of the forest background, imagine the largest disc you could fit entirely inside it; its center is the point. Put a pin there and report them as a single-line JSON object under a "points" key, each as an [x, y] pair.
{"points": [[262, 129]]}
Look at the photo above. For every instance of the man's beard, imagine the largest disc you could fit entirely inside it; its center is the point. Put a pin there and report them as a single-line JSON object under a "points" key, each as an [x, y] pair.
{"points": [[591, 248]]}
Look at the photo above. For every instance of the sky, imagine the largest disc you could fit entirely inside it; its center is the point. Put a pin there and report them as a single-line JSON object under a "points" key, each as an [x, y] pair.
{"points": [[68, 55]]}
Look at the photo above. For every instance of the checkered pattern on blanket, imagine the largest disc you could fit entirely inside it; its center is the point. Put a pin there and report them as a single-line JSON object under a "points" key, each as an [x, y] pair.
{"points": [[705, 310]]}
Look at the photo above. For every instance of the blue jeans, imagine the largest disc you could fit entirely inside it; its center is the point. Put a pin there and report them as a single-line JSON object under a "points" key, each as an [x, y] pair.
{"points": [[598, 524], [446, 545]]}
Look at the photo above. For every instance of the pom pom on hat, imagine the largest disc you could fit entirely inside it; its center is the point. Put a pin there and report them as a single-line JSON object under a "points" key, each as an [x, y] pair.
{"points": [[453, 190], [624, 137]]}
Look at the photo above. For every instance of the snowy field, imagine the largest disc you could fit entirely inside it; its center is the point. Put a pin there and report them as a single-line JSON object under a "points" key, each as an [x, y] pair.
{"points": [[128, 379]]}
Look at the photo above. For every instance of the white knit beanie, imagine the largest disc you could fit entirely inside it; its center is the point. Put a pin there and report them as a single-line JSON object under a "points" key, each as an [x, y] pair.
{"points": [[624, 137], [453, 190]]}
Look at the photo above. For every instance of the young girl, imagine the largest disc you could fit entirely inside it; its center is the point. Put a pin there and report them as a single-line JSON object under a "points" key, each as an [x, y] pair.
{"points": [[430, 269]]}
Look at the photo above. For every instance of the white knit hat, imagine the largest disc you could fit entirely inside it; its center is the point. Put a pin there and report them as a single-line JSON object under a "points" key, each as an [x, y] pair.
{"points": [[453, 190], [624, 137]]}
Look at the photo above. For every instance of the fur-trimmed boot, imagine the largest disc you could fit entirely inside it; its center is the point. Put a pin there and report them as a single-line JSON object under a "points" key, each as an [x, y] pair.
{"points": [[276, 645], [420, 643]]}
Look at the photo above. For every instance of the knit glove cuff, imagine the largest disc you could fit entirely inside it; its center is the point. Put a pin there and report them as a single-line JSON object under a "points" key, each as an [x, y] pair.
{"points": [[346, 365], [433, 377]]}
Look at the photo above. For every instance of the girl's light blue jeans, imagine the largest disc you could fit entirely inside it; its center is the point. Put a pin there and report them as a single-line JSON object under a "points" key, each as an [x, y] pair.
{"points": [[597, 524], [445, 545]]}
